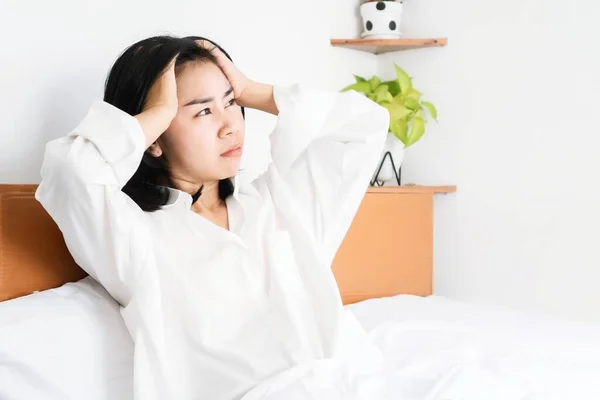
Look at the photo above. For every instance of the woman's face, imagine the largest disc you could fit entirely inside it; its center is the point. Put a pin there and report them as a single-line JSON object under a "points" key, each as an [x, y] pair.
{"points": [[205, 140]]}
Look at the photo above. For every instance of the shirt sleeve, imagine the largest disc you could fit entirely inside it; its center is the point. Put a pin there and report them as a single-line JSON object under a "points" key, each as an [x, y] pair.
{"points": [[82, 177], [325, 147]]}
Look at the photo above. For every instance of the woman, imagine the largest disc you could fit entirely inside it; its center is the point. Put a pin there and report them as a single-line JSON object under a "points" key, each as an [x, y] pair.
{"points": [[223, 285]]}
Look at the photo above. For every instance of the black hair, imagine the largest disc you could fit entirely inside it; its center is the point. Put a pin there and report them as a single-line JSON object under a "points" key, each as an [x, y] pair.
{"points": [[127, 87]]}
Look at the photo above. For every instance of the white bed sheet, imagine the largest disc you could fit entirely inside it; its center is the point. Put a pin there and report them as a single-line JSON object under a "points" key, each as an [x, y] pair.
{"points": [[437, 349], [470, 351], [73, 339]]}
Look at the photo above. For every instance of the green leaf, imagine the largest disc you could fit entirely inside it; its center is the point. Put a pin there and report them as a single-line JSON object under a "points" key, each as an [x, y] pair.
{"points": [[362, 87], [400, 129], [375, 82], [387, 97], [383, 88], [431, 108], [394, 87], [416, 131], [359, 79], [414, 94], [397, 110], [411, 103], [404, 80], [382, 94]]}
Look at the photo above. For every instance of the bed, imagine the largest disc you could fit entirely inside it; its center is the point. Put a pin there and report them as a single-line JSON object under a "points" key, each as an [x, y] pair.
{"points": [[61, 335]]}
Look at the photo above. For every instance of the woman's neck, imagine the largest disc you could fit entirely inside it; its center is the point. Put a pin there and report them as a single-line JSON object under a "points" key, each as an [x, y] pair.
{"points": [[210, 206], [209, 199]]}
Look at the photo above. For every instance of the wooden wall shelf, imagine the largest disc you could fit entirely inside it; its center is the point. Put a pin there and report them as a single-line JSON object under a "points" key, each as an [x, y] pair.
{"points": [[414, 189], [380, 46]]}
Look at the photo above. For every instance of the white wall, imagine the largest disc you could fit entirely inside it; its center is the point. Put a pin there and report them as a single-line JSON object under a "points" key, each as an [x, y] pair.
{"points": [[55, 57], [517, 89]]}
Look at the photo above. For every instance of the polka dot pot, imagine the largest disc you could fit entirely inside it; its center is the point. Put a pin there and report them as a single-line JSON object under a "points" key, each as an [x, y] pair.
{"points": [[381, 19]]}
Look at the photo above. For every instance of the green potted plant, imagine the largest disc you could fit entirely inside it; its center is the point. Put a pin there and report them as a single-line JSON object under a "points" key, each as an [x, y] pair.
{"points": [[409, 114]]}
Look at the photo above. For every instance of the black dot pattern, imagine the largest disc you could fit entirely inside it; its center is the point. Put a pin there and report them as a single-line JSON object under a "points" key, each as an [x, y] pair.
{"points": [[369, 25], [381, 6], [393, 26]]}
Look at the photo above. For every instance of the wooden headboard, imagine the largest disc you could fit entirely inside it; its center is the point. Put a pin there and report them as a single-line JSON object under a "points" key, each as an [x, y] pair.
{"points": [[33, 255], [388, 249]]}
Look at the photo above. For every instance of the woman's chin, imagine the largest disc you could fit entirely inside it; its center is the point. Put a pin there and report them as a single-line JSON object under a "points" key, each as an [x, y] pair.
{"points": [[231, 170]]}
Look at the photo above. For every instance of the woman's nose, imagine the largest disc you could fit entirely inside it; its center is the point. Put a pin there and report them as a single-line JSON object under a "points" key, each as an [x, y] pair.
{"points": [[227, 123], [226, 126]]}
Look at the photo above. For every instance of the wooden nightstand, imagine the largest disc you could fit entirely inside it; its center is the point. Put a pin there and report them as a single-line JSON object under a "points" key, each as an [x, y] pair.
{"points": [[389, 247]]}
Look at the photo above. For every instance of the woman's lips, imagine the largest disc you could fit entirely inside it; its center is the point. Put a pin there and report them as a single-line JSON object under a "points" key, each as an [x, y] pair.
{"points": [[235, 152]]}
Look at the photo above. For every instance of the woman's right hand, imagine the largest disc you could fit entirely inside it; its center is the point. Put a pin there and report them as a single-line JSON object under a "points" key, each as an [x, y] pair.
{"points": [[161, 105]]}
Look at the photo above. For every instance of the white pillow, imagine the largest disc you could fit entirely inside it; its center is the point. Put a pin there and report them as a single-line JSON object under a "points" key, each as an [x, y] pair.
{"points": [[65, 343]]}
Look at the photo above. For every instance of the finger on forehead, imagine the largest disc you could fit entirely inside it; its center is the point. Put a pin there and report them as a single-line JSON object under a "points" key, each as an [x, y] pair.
{"points": [[211, 46], [171, 64], [207, 44]]}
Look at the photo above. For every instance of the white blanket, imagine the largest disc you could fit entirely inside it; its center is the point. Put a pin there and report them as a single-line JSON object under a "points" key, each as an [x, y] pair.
{"points": [[437, 349]]}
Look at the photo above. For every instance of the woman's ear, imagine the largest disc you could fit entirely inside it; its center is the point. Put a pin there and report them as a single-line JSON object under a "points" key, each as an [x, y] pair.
{"points": [[155, 150]]}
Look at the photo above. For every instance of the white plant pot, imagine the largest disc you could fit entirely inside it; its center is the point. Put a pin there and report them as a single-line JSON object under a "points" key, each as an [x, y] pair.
{"points": [[396, 149], [381, 19]]}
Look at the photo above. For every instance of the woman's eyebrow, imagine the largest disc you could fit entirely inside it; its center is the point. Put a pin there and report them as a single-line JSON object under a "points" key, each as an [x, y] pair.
{"points": [[208, 99]]}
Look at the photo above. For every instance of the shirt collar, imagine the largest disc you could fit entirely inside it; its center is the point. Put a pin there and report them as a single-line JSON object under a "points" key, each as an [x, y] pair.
{"points": [[236, 187], [179, 198]]}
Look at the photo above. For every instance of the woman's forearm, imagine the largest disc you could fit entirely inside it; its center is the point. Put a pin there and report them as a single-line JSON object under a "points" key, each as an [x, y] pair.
{"points": [[259, 96]]}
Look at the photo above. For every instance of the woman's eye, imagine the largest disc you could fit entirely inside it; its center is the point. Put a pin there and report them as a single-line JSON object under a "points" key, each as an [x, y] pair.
{"points": [[206, 111], [231, 102]]}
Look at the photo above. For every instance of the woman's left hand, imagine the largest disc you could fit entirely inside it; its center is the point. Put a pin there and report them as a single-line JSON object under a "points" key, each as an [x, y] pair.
{"points": [[248, 93], [239, 81]]}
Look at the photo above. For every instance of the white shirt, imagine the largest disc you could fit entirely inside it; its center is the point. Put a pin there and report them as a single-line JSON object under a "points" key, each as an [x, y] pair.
{"points": [[214, 312]]}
